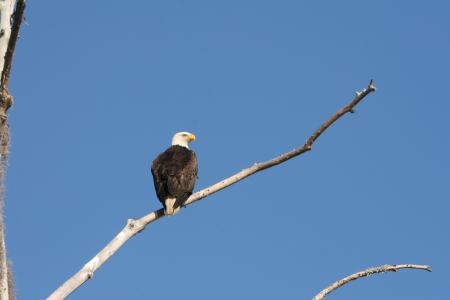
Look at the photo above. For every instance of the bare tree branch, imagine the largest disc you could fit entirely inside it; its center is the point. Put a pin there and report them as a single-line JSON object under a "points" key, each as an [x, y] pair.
{"points": [[8, 37], [135, 226], [365, 273]]}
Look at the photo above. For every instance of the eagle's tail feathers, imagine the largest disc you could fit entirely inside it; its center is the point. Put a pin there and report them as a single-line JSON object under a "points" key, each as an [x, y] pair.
{"points": [[169, 206]]}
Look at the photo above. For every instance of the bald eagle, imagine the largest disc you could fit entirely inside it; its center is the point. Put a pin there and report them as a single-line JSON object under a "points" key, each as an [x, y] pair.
{"points": [[174, 173]]}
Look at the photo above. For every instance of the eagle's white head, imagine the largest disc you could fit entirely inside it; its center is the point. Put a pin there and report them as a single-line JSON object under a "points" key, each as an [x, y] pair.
{"points": [[183, 139]]}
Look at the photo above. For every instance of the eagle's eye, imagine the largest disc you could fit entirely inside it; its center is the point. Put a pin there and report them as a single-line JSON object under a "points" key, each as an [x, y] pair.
{"points": [[184, 134]]}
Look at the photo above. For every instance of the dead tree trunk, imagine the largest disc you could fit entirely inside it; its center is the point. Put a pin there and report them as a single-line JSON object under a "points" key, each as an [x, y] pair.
{"points": [[10, 19]]}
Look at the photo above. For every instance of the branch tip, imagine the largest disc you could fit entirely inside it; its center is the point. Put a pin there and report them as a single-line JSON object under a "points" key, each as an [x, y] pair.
{"points": [[372, 86]]}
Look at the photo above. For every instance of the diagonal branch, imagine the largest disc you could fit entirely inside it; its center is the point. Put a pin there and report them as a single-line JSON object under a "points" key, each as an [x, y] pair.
{"points": [[365, 273], [135, 226]]}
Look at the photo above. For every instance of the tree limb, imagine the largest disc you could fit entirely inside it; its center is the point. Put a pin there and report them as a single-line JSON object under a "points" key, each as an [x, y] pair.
{"points": [[365, 273], [135, 226]]}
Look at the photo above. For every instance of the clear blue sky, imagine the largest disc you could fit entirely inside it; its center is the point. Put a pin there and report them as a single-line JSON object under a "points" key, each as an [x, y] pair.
{"points": [[101, 86]]}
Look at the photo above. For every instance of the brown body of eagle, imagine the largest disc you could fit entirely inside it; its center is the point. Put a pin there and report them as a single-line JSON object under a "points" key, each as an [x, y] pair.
{"points": [[174, 174]]}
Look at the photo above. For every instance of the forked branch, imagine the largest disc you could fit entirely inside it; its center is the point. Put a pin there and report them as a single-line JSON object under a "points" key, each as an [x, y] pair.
{"points": [[135, 226], [365, 273]]}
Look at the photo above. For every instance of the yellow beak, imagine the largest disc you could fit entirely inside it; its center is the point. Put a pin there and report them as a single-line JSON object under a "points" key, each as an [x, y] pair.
{"points": [[191, 137]]}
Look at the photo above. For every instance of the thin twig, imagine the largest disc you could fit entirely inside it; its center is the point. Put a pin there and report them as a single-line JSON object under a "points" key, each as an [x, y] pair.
{"points": [[365, 273], [135, 226]]}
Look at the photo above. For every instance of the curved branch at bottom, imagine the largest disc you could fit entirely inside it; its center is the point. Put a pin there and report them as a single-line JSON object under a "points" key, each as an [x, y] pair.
{"points": [[365, 273]]}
